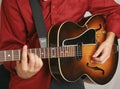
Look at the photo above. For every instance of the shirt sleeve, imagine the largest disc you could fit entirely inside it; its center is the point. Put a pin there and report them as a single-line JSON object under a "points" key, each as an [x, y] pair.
{"points": [[111, 10], [12, 32]]}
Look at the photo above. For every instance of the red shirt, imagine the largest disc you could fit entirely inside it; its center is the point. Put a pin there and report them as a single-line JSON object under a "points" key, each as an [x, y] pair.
{"points": [[18, 29]]}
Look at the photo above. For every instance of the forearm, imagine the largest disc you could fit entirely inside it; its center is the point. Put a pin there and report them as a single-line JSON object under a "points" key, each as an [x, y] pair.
{"points": [[110, 37]]}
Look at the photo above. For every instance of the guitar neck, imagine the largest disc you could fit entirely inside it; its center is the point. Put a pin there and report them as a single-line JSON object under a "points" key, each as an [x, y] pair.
{"points": [[52, 52]]}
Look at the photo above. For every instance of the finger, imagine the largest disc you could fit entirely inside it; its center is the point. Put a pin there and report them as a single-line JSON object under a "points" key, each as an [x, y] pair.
{"points": [[95, 60], [102, 58], [17, 63], [31, 63], [98, 52], [24, 60], [38, 63]]}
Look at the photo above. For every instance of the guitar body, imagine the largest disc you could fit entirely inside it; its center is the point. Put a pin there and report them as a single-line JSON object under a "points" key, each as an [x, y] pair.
{"points": [[87, 34]]}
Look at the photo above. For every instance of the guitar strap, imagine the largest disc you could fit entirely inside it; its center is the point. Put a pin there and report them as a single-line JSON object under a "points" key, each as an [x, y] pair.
{"points": [[39, 22]]}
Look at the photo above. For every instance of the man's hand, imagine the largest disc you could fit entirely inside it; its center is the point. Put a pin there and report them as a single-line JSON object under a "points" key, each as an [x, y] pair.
{"points": [[29, 65], [104, 50]]}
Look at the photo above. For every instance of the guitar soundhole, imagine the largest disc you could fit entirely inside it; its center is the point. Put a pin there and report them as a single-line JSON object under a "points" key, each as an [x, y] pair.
{"points": [[96, 68]]}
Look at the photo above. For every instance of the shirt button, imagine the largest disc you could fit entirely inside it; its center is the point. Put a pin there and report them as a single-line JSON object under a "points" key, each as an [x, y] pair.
{"points": [[53, 6]]}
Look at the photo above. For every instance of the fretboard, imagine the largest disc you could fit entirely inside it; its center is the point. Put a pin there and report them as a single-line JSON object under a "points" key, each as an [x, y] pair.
{"points": [[44, 53]]}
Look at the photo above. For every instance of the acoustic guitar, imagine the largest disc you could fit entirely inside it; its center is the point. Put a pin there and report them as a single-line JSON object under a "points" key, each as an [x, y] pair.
{"points": [[70, 49]]}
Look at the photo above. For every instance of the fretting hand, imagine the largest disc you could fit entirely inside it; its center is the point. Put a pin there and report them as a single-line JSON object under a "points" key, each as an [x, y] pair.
{"points": [[29, 65]]}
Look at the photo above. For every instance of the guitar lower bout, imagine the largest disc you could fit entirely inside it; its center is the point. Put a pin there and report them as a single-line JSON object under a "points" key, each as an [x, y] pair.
{"points": [[72, 49]]}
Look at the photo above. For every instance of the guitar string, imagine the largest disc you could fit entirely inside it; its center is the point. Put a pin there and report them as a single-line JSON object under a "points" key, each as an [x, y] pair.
{"points": [[78, 54], [56, 56]]}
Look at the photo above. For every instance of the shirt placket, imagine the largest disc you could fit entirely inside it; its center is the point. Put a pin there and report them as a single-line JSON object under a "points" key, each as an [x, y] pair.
{"points": [[53, 11]]}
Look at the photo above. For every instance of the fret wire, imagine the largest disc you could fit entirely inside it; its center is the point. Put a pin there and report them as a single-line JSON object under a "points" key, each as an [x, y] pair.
{"points": [[55, 52], [15, 54], [12, 55], [52, 52], [48, 50], [44, 52], [58, 54], [40, 52], [66, 51], [61, 52], [19, 54], [72, 50], [5, 55], [69, 51]]}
